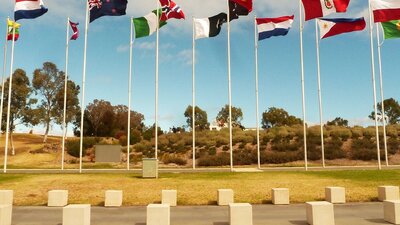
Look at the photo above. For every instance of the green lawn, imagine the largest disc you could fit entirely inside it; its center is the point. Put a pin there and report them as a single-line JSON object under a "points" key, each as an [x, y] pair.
{"points": [[198, 188]]}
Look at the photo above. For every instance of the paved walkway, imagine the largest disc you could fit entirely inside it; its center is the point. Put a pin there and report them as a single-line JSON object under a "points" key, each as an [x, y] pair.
{"points": [[346, 214]]}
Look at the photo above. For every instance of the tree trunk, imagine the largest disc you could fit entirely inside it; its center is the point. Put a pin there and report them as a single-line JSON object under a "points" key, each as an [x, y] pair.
{"points": [[12, 144], [47, 132]]}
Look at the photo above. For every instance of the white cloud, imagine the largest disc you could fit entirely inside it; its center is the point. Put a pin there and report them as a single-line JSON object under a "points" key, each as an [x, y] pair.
{"points": [[146, 45], [122, 48], [364, 122], [185, 56]]}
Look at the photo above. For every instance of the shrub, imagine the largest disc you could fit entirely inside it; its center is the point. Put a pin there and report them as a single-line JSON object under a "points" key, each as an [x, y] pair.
{"points": [[171, 158], [363, 149], [226, 148], [73, 148], [135, 137], [212, 151], [244, 157], [393, 146], [220, 141], [221, 159], [340, 132], [369, 132], [123, 140], [333, 149], [281, 157], [357, 132]]}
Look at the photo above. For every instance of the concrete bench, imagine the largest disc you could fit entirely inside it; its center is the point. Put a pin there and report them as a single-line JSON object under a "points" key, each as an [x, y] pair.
{"points": [[391, 211], [169, 197], [280, 196], [335, 194], [158, 214], [240, 214], [5, 214], [6, 197], [320, 213], [388, 193], [113, 198], [57, 198], [225, 196], [76, 214]]}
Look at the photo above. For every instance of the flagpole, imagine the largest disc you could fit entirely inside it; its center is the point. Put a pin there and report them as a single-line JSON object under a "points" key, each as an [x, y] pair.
{"points": [[9, 99], [302, 87], [257, 106], [230, 90], [3, 77], [156, 85], [129, 97], [374, 83], [194, 97], [319, 94], [83, 86], [65, 96], [382, 96]]}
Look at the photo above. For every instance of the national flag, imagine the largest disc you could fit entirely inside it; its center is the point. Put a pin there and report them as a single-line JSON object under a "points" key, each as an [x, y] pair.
{"points": [[74, 27], [239, 8], [320, 8], [268, 27], [171, 10], [331, 27], [391, 29], [385, 10], [99, 8], [147, 25], [10, 27], [209, 27], [28, 9]]}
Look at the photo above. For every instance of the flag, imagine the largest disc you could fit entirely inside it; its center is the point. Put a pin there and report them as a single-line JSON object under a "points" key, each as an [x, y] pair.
{"points": [[268, 27], [332, 27], [147, 25], [391, 29], [171, 10], [320, 8], [209, 27], [385, 10], [10, 26], [28, 9], [74, 27], [239, 8], [99, 8]]}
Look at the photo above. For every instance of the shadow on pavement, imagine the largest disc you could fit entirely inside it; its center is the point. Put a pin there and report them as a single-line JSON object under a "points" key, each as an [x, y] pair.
{"points": [[378, 221], [140, 223], [221, 223], [298, 222]]}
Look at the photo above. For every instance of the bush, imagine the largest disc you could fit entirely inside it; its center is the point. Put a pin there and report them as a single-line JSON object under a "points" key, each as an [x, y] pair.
{"points": [[221, 159], [73, 148], [135, 137], [340, 132], [357, 132], [369, 132], [333, 149], [212, 151], [220, 141], [123, 140], [281, 157], [226, 148], [363, 149], [244, 157], [171, 158]]}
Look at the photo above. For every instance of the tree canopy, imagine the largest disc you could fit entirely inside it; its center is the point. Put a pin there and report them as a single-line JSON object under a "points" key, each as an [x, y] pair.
{"points": [[338, 121], [276, 117], [200, 118], [223, 116], [392, 111]]}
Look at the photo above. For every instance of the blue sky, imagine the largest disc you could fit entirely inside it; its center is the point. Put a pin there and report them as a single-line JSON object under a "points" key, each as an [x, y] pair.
{"points": [[345, 62]]}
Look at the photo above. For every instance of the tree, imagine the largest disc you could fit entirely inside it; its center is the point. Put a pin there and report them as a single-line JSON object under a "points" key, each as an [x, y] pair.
{"points": [[392, 111], [99, 116], [121, 119], [223, 116], [200, 118], [21, 111], [338, 121], [47, 82], [73, 108], [276, 117], [148, 133]]}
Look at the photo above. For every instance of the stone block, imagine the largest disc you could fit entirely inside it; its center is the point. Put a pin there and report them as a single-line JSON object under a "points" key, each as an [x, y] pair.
{"points": [[169, 197], [388, 193], [57, 198], [225, 196], [76, 214], [158, 214], [240, 214], [280, 196], [149, 168], [6, 197], [113, 198], [320, 213], [5, 214], [391, 211], [335, 194]]}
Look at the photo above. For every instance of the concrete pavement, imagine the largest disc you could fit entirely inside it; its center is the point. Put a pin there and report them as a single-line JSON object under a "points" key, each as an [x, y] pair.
{"points": [[346, 214]]}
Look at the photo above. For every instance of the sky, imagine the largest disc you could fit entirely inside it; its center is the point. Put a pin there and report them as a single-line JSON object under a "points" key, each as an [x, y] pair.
{"points": [[346, 80]]}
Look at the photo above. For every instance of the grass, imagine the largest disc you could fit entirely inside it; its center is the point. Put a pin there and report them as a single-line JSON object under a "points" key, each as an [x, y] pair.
{"points": [[198, 188]]}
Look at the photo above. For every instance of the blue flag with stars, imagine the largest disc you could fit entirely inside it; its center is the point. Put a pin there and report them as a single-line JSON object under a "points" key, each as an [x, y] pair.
{"points": [[99, 8]]}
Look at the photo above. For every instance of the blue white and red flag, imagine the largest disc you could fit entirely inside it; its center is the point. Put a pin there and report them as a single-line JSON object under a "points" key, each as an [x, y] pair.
{"points": [[332, 27], [171, 10], [268, 27], [28, 9]]}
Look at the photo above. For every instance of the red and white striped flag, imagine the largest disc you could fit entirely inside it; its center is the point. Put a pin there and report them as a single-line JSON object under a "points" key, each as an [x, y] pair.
{"points": [[320, 8], [385, 10], [74, 27]]}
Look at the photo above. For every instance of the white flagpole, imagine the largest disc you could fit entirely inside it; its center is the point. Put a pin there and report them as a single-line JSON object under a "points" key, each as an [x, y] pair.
{"points": [[65, 96], [129, 97], [257, 106], [230, 90], [156, 84], [302, 87], [194, 98], [83, 86], [382, 96], [319, 94], [3, 77], [9, 100], [371, 28]]}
